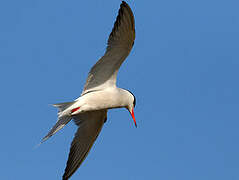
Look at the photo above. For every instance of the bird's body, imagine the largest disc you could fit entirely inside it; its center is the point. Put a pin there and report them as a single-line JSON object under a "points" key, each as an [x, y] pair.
{"points": [[109, 98], [100, 93]]}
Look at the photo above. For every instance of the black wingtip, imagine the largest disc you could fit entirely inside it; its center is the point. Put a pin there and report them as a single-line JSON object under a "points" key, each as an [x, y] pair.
{"points": [[124, 4]]}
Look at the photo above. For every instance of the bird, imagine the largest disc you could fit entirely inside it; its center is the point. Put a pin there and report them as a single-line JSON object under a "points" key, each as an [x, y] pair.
{"points": [[100, 93]]}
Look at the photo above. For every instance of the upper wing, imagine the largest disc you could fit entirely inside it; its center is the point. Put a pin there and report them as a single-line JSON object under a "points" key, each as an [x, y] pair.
{"points": [[120, 42], [90, 123]]}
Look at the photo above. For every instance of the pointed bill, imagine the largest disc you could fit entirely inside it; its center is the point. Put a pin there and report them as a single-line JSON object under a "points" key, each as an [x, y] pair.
{"points": [[132, 114]]}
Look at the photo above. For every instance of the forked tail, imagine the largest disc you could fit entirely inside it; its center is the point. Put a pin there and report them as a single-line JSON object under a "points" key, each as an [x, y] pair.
{"points": [[62, 119]]}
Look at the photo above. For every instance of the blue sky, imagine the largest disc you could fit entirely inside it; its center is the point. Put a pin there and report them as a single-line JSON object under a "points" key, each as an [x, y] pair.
{"points": [[183, 69]]}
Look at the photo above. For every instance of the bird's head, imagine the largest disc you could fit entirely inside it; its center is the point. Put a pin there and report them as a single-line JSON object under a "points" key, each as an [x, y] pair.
{"points": [[131, 106]]}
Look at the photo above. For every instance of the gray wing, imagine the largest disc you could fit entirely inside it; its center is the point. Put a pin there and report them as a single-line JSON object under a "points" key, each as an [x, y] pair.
{"points": [[103, 73], [90, 125]]}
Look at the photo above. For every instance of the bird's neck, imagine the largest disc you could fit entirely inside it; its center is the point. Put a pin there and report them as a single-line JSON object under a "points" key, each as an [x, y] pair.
{"points": [[122, 97]]}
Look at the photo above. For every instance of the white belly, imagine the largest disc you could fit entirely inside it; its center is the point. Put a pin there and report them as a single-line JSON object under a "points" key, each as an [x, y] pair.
{"points": [[98, 100]]}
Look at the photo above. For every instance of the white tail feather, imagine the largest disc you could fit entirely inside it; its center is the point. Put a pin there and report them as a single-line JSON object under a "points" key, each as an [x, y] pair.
{"points": [[62, 106]]}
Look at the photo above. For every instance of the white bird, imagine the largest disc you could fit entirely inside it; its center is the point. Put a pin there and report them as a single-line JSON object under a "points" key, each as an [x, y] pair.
{"points": [[100, 93]]}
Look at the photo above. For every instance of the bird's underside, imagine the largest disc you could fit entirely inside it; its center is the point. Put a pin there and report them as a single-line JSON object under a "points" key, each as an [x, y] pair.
{"points": [[101, 76]]}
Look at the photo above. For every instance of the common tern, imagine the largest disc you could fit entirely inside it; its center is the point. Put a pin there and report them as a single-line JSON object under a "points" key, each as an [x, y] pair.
{"points": [[100, 93]]}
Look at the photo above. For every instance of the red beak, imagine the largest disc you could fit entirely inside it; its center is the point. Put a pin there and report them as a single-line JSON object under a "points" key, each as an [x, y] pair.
{"points": [[132, 114]]}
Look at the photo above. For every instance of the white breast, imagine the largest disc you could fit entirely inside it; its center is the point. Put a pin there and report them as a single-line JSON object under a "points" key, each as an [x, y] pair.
{"points": [[109, 98]]}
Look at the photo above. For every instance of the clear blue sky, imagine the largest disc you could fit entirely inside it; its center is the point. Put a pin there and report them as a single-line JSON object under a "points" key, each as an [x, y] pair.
{"points": [[183, 69]]}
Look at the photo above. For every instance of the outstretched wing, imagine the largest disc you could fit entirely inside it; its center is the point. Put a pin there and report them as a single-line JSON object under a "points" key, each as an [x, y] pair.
{"points": [[90, 123], [103, 73]]}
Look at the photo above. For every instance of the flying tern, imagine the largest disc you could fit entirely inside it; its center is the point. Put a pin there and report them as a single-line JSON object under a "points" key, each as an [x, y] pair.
{"points": [[100, 93]]}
